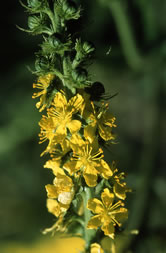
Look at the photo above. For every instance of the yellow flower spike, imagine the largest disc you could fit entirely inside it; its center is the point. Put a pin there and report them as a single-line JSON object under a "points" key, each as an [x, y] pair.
{"points": [[42, 84], [62, 112], [108, 215], [96, 248]]}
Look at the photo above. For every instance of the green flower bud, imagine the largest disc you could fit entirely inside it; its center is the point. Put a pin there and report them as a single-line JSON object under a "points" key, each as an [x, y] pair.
{"points": [[34, 4], [69, 10], [79, 75], [88, 47], [34, 22], [42, 65]]}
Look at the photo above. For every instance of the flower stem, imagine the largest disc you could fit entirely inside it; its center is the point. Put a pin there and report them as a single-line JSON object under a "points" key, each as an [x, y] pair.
{"points": [[88, 233]]}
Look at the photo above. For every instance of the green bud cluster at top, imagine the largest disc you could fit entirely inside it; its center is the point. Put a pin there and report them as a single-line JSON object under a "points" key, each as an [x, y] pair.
{"points": [[59, 55]]}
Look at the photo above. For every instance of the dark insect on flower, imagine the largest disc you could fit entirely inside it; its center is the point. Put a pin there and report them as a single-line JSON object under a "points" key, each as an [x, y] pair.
{"points": [[97, 92]]}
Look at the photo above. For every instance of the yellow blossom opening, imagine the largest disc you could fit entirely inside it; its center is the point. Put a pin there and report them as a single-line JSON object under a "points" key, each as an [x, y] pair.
{"points": [[43, 83], [61, 113], [108, 215]]}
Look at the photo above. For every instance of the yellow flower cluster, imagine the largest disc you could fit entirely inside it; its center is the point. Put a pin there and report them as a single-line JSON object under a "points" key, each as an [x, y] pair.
{"points": [[73, 128]]}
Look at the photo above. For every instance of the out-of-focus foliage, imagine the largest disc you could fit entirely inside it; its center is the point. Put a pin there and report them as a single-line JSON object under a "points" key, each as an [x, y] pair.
{"points": [[131, 60]]}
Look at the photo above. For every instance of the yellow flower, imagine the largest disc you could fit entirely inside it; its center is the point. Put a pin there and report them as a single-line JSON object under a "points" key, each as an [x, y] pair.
{"points": [[62, 190], [62, 112], [57, 154], [108, 215], [47, 132], [87, 160], [119, 187], [102, 120], [42, 84], [96, 248]]}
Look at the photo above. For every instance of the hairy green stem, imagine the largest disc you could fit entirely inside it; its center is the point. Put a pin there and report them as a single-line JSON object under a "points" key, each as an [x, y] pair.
{"points": [[88, 233]]}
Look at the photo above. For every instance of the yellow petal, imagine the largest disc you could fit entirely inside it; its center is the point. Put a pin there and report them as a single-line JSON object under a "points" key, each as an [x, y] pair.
{"points": [[96, 248], [119, 190], [55, 166], [60, 133], [94, 222], [95, 205], [74, 126], [65, 197], [121, 214], [107, 198], [60, 100], [51, 191], [90, 179], [63, 183], [108, 229], [105, 133], [75, 141], [75, 102], [89, 133], [71, 167], [90, 175], [105, 169], [53, 207]]}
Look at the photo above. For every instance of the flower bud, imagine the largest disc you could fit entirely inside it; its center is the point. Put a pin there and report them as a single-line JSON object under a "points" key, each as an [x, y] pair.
{"points": [[42, 64], [79, 75], [88, 47], [34, 22], [34, 4]]}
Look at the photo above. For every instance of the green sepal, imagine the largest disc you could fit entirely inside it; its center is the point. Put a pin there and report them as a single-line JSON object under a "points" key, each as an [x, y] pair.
{"points": [[84, 51], [66, 10], [53, 45], [35, 6]]}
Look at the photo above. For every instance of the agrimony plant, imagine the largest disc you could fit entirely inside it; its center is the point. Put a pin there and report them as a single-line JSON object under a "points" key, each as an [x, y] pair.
{"points": [[87, 194]]}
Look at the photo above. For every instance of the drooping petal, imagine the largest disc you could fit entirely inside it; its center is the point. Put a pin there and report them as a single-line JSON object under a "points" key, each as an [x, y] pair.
{"points": [[55, 166], [119, 190], [105, 169], [94, 222], [95, 205], [121, 214], [51, 191], [108, 230], [53, 207], [107, 198]]}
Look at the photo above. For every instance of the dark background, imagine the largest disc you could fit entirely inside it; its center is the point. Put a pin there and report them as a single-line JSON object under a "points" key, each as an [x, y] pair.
{"points": [[130, 40]]}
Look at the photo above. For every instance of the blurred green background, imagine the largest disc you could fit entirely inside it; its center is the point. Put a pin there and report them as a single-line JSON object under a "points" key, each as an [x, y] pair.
{"points": [[130, 40]]}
